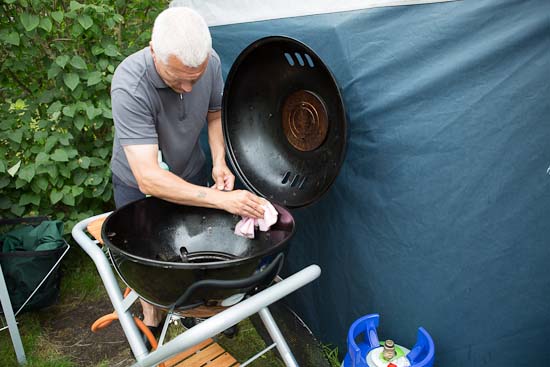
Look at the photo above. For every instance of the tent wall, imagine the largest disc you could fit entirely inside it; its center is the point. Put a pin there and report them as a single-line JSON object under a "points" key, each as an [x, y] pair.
{"points": [[440, 216]]}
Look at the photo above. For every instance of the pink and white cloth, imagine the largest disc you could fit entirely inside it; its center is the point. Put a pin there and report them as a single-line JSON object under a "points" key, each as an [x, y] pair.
{"points": [[246, 225]]}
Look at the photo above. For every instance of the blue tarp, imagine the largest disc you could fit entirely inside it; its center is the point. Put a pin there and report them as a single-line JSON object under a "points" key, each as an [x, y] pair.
{"points": [[440, 216]]}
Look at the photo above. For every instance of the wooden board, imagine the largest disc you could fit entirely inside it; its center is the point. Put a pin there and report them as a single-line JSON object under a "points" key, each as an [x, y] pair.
{"points": [[207, 353], [94, 228]]}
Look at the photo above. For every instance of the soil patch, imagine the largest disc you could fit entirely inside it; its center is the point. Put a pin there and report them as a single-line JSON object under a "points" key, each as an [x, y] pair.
{"points": [[68, 328]]}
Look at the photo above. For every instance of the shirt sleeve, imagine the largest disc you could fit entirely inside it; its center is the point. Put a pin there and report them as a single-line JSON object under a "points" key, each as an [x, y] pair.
{"points": [[133, 119], [217, 88]]}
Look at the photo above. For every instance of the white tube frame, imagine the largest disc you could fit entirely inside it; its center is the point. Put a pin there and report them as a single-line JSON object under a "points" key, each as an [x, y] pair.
{"points": [[204, 330]]}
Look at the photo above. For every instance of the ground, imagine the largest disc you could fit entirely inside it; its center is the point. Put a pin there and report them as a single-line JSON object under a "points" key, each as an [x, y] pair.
{"points": [[69, 330], [61, 336]]}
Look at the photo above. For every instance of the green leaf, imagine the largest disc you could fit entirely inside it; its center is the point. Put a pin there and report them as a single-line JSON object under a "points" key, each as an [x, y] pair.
{"points": [[28, 198], [62, 60], [17, 210], [73, 164], [29, 21], [13, 170], [46, 97], [93, 180], [71, 80], [55, 196], [93, 78], [75, 5], [4, 181], [76, 190], [64, 139], [97, 50], [78, 62], [53, 71], [11, 38], [84, 162], [20, 183], [107, 114], [2, 167], [92, 112], [57, 16], [16, 136], [27, 173], [79, 122], [41, 158], [103, 63], [68, 199], [46, 24], [69, 110], [59, 156], [50, 143], [5, 203], [64, 171], [85, 21], [52, 172], [111, 50], [41, 182], [71, 153], [107, 195], [96, 162], [54, 107], [78, 177], [76, 30]]}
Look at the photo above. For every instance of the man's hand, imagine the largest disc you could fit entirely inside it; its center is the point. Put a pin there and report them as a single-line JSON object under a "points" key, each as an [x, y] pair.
{"points": [[243, 203], [223, 178]]}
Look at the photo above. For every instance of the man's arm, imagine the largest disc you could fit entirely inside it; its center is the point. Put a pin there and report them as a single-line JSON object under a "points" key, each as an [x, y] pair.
{"points": [[155, 181], [222, 175]]}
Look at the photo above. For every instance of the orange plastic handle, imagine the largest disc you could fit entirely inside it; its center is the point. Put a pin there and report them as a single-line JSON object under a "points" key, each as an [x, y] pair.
{"points": [[106, 320]]}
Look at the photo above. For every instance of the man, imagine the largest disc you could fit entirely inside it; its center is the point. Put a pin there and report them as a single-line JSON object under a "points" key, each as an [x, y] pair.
{"points": [[161, 98]]}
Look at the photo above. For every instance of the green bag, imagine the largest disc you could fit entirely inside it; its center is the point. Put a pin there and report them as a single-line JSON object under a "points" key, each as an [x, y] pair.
{"points": [[28, 254]]}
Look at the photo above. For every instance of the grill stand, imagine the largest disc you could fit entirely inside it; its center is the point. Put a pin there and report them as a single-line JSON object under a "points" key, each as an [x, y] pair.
{"points": [[206, 329]]}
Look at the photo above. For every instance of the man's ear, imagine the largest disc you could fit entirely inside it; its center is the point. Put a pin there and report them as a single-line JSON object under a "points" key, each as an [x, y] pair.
{"points": [[152, 50]]}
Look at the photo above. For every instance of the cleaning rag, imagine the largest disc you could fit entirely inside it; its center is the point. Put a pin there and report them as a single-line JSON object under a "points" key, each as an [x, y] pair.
{"points": [[246, 225]]}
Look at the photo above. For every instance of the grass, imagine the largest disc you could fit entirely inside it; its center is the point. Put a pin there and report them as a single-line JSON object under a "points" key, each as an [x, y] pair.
{"points": [[331, 354], [80, 279], [39, 352], [81, 282], [246, 344]]}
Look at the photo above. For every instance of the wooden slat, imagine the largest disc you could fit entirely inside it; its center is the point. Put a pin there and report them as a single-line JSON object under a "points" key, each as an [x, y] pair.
{"points": [[225, 360], [94, 228], [185, 354], [203, 356]]}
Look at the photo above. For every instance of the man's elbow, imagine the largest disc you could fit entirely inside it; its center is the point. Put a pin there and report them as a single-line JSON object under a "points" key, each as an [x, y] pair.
{"points": [[146, 184]]}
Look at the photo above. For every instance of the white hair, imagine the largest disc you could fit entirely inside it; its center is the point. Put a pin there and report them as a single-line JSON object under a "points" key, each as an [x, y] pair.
{"points": [[182, 32]]}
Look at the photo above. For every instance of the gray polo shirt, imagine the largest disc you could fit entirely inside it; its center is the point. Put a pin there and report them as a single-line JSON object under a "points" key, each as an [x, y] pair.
{"points": [[147, 111]]}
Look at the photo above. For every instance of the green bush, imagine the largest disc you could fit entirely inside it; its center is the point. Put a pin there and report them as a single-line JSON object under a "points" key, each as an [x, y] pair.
{"points": [[56, 65]]}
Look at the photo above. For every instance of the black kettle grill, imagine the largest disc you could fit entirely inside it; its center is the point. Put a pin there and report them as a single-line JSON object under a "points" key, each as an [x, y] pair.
{"points": [[285, 130]]}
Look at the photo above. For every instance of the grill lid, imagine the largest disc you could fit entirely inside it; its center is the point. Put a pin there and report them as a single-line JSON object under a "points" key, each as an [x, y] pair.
{"points": [[283, 122]]}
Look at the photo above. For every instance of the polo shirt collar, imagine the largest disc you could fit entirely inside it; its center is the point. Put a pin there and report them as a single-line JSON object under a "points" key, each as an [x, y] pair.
{"points": [[152, 73]]}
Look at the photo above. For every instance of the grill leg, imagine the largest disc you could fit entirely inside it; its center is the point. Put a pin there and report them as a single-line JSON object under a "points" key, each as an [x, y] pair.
{"points": [[278, 338], [10, 319]]}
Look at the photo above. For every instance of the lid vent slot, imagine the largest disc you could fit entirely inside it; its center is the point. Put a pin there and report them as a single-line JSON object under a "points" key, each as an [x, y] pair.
{"points": [[295, 181], [286, 177], [289, 59]]}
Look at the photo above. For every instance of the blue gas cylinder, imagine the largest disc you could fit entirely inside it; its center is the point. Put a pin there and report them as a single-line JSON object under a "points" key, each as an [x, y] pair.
{"points": [[369, 352]]}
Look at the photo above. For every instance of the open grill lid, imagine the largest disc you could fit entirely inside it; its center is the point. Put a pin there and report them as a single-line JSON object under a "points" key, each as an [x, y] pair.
{"points": [[283, 122]]}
